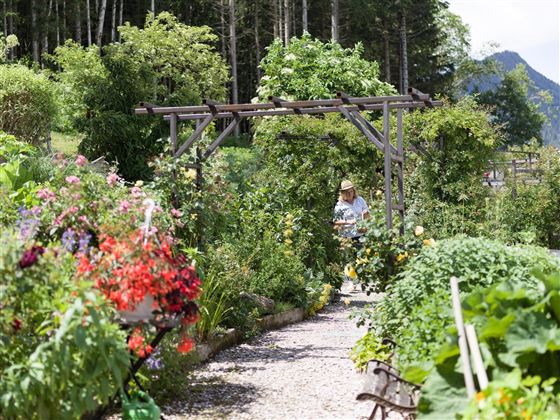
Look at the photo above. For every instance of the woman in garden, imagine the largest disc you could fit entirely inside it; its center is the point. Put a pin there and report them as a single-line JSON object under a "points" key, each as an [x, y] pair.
{"points": [[349, 210]]}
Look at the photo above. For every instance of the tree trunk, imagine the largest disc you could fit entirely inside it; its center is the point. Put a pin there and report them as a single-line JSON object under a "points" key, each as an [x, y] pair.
{"points": [[57, 23], [286, 22], [114, 21], [304, 16], [45, 47], [275, 19], [233, 55], [334, 20], [223, 28], [5, 10], [257, 41], [404, 56], [387, 51], [121, 16], [78, 23], [34, 32], [88, 18], [101, 22], [64, 32], [280, 20], [293, 18]]}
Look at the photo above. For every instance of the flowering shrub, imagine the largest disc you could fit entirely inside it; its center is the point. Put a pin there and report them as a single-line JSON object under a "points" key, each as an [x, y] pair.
{"points": [[129, 269], [59, 354], [384, 252]]}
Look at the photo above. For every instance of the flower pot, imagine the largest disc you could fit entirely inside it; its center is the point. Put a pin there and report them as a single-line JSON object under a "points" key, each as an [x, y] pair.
{"points": [[142, 311]]}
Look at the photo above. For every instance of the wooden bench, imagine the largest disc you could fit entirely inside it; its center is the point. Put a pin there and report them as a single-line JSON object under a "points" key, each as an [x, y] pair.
{"points": [[388, 390]]}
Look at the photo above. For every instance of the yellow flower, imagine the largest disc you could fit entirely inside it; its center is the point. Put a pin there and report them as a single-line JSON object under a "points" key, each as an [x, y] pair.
{"points": [[346, 301], [288, 232], [349, 271], [419, 230], [191, 174], [288, 241], [429, 242], [194, 216], [368, 251], [139, 183], [378, 193], [402, 257], [479, 396]]}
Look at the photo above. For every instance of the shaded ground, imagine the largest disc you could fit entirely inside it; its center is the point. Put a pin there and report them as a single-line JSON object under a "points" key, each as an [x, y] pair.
{"points": [[299, 372]]}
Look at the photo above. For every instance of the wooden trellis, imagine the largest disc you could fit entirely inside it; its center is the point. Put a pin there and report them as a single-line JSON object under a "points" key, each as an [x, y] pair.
{"points": [[350, 107]]}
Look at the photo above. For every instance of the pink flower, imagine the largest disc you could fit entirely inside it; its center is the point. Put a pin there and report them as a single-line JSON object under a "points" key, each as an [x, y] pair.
{"points": [[72, 179], [80, 160], [83, 219], [176, 213], [112, 178], [46, 194], [73, 210], [136, 192], [124, 206]]}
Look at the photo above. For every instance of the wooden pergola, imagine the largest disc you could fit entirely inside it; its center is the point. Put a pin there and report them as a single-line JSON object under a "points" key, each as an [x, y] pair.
{"points": [[350, 107]]}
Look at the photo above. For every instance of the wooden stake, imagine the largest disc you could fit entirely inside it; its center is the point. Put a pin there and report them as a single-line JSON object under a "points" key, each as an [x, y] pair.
{"points": [[477, 357], [467, 372]]}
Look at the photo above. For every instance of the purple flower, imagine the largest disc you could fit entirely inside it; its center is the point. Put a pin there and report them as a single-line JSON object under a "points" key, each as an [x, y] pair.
{"points": [[83, 242], [154, 361], [30, 256], [69, 239], [28, 222]]}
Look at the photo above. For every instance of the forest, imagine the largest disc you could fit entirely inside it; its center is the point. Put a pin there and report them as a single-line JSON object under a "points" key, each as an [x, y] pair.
{"points": [[416, 43]]}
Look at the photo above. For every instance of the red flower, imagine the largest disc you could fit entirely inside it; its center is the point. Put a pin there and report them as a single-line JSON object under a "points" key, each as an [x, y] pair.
{"points": [[16, 324], [185, 345]]}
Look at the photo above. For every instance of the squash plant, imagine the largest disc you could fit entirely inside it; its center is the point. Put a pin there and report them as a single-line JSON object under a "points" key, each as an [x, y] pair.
{"points": [[519, 334]]}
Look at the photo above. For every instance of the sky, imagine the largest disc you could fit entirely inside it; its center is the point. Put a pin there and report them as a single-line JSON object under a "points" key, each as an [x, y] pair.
{"points": [[531, 28]]}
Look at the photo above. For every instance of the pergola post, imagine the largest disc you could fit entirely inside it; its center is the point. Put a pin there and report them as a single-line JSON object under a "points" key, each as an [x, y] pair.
{"points": [[387, 165], [400, 169]]}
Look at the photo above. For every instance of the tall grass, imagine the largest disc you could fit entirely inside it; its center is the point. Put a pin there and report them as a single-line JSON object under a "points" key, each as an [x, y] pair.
{"points": [[214, 309]]}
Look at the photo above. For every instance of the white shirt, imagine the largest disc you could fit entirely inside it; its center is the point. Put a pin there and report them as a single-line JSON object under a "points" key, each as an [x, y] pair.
{"points": [[346, 211]]}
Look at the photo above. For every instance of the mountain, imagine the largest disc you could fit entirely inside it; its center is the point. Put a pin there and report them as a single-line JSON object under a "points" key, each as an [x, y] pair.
{"points": [[508, 61]]}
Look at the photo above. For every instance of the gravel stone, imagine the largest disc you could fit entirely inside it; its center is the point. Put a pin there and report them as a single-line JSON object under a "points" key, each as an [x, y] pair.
{"points": [[302, 371]]}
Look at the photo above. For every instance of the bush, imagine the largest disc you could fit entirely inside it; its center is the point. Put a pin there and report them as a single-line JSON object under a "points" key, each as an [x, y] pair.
{"points": [[308, 69], [27, 103], [417, 308], [101, 90], [519, 334], [60, 355]]}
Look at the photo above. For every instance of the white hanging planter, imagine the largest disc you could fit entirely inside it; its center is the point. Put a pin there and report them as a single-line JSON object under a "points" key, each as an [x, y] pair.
{"points": [[142, 312]]}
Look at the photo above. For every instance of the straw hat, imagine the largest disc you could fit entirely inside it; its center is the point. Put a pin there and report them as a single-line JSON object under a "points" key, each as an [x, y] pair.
{"points": [[346, 185]]}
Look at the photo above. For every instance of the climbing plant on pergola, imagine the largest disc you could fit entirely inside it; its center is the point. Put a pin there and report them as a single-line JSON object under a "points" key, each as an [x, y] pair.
{"points": [[350, 107]]}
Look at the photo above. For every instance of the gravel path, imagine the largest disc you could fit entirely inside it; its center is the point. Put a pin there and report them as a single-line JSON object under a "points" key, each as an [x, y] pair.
{"points": [[301, 371]]}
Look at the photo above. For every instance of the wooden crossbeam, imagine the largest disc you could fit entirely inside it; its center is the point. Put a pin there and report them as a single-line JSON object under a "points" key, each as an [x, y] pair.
{"points": [[195, 135], [216, 143], [146, 108], [302, 110]]}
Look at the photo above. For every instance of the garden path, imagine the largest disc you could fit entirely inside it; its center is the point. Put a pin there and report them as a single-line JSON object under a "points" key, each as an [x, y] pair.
{"points": [[301, 371]]}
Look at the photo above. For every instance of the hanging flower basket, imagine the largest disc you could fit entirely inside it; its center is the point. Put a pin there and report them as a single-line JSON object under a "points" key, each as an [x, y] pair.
{"points": [[145, 281], [142, 312]]}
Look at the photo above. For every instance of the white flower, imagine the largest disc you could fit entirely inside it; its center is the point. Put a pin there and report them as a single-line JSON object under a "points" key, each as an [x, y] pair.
{"points": [[419, 230]]}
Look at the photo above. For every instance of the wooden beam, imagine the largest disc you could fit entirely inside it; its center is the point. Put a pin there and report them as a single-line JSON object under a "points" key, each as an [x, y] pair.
{"points": [[146, 108], [216, 143], [350, 117], [195, 135], [387, 165], [372, 128], [400, 168], [291, 111]]}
